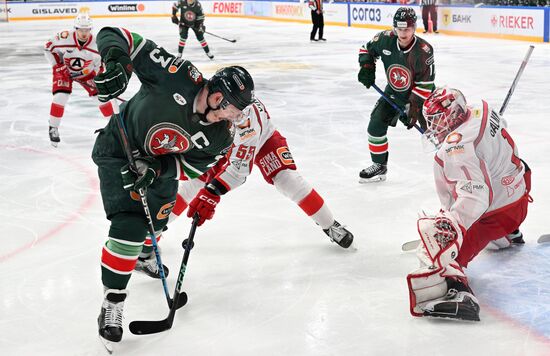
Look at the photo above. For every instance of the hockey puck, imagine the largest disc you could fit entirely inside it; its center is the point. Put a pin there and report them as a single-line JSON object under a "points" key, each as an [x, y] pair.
{"points": [[184, 244]]}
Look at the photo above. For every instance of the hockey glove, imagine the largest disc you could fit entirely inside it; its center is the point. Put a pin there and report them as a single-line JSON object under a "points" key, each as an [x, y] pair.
{"points": [[61, 71], [204, 204], [175, 20], [114, 80], [415, 113], [148, 168], [367, 74]]}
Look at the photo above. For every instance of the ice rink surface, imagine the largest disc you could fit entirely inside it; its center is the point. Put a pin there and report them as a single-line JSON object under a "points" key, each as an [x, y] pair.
{"points": [[263, 279]]}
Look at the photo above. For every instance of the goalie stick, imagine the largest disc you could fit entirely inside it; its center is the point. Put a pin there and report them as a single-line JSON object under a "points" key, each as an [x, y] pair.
{"points": [[411, 245], [180, 302], [145, 327]]}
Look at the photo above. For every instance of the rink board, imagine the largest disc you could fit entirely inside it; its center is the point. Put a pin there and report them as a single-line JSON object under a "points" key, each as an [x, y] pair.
{"points": [[516, 23]]}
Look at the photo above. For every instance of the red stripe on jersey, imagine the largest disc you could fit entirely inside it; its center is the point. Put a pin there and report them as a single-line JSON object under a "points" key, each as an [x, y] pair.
{"points": [[439, 161], [130, 39], [180, 205], [311, 203], [363, 51], [377, 149], [487, 180], [116, 263], [483, 123]]}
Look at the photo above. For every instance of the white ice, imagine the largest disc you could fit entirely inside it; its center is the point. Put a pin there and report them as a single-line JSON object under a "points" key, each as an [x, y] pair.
{"points": [[263, 279]]}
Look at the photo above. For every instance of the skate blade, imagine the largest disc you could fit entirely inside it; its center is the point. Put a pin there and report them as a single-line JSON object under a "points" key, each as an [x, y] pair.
{"points": [[376, 179], [109, 345], [54, 144]]}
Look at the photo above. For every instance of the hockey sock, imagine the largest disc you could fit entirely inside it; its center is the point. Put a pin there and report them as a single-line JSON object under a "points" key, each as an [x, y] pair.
{"points": [[181, 45], [205, 46], [121, 251], [148, 244], [378, 147], [57, 108], [291, 184]]}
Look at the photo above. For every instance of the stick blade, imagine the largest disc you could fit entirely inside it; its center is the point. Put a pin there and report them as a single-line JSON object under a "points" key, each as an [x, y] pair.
{"points": [[182, 300], [410, 245], [146, 327]]}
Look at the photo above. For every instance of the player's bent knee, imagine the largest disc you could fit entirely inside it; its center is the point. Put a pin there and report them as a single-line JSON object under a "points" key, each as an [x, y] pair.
{"points": [[128, 227]]}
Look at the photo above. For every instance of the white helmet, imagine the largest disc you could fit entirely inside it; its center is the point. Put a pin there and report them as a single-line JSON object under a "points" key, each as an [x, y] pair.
{"points": [[83, 20]]}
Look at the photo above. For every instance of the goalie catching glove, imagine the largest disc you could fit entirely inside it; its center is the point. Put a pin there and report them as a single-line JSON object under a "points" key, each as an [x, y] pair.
{"points": [[441, 238]]}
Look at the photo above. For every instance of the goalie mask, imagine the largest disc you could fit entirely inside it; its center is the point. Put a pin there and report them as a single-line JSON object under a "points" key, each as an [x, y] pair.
{"points": [[444, 110]]}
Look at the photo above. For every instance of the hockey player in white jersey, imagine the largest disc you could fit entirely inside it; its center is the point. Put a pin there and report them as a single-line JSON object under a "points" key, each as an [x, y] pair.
{"points": [[483, 187], [73, 56], [257, 142]]}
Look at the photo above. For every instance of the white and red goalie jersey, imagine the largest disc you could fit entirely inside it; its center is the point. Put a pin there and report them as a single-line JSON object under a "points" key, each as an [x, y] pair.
{"points": [[477, 169], [81, 60], [250, 136]]}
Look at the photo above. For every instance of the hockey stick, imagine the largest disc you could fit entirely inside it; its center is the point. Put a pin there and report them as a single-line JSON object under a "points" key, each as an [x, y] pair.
{"points": [[516, 79], [383, 95], [223, 38], [145, 327], [143, 197]]}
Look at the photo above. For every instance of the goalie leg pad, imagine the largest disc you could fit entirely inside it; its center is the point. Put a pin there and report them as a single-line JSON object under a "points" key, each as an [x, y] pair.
{"points": [[429, 283]]}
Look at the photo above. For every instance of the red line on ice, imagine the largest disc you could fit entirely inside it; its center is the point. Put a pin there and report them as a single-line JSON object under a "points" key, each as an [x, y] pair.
{"points": [[70, 219]]}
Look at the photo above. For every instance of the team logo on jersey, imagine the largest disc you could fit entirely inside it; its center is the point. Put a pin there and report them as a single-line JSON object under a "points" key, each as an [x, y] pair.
{"points": [[386, 52], [285, 155], [166, 138], [467, 187], [454, 137], [194, 74], [165, 210], [399, 77], [77, 63], [507, 180], [189, 16], [179, 99]]}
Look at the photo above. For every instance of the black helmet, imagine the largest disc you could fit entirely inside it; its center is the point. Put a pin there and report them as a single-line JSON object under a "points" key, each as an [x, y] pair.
{"points": [[235, 84], [404, 17]]}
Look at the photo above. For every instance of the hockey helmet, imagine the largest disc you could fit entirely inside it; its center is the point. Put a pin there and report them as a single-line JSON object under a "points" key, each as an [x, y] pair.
{"points": [[83, 21], [404, 17], [235, 84], [444, 110]]}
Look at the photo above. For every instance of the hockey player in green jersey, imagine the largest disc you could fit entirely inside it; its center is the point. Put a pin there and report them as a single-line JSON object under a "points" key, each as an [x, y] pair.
{"points": [[191, 17], [409, 66], [178, 125]]}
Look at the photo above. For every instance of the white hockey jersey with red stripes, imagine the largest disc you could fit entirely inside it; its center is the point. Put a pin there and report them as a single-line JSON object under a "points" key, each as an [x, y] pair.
{"points": [[477, 169], [80, 60], [250, 135]]}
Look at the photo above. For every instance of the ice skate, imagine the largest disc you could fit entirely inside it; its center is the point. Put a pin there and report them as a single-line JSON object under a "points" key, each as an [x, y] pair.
{"points": [[210, 55], [375, 173], [339, 234], [110, 319], [148, 265], [515, 238], [459, 303], [54, 136]]}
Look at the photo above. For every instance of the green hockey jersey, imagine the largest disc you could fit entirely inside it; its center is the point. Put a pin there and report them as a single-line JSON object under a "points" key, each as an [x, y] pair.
{"points": [[160, 119], [191, 15], [408, 72]]}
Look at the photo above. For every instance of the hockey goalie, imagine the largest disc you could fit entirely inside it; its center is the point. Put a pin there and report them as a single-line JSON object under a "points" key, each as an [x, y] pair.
{"points": [[483, 187]]}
